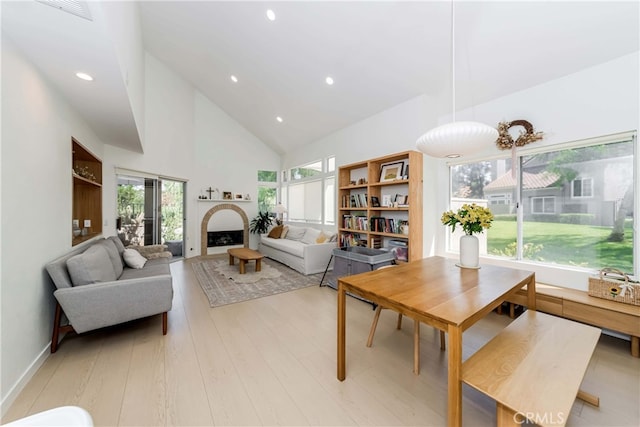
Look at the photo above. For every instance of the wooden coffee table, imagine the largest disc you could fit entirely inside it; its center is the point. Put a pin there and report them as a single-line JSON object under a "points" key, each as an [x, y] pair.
{"points": [[244, 255]]}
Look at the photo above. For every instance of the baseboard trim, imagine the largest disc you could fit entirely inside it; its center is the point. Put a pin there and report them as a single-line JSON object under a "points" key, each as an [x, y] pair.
{"points": [[24, 379]]}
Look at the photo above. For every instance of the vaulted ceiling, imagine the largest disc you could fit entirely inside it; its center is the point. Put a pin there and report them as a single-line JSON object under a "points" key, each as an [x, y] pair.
{"points": [[378, 53]]}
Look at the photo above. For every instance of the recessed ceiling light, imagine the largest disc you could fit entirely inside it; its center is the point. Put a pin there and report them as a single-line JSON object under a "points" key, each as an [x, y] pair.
{"points": [[329, 80], [84, 76], [279, 119], [234, 79], [271, 15]]}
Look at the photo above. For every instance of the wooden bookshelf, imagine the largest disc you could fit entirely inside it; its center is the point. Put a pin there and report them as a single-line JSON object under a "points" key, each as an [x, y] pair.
{"points": [[359, 184], [87, 191]]}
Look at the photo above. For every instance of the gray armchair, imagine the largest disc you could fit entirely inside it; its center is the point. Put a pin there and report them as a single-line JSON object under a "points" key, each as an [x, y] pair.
{"points": [[95, 288]]}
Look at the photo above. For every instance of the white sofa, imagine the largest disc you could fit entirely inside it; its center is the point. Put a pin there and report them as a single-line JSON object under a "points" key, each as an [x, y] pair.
{"points": [[299, 249]]}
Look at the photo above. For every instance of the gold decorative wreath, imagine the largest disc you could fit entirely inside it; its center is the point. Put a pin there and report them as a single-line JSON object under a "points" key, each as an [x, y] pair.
{"points": [[506, 142]]}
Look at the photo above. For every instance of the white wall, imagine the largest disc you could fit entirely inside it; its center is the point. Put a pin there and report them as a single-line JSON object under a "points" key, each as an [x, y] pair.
{"points": [[37, 126], [190, 138], [123, 21]]}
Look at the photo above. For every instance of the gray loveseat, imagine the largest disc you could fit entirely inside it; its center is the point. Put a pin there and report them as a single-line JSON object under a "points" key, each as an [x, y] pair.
{"points": [[95, 288]]}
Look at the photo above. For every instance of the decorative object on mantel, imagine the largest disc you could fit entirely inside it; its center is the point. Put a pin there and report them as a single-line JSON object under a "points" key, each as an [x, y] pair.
{"points": [[473, 219], [456, 139], [214, 193], [505, 140]]}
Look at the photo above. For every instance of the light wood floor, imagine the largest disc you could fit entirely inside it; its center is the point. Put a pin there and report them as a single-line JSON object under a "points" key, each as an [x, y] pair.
{"points": [[272, 361]]}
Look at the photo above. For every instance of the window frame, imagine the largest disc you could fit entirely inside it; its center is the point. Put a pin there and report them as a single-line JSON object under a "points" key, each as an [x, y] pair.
{"points": [[582, 180], [323, 176], [543, 212], [561, 275]]}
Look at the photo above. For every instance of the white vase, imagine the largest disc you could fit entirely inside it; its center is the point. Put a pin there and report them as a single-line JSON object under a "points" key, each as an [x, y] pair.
{"points": [[469, 251]]}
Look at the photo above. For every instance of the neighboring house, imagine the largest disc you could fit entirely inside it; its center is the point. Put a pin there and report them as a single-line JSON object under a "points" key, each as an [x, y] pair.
{"points": [[593, 195]]}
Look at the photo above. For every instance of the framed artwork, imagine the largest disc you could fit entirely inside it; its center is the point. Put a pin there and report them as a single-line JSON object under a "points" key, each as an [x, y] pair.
{"points": [[239, 196], [386, 201], [375, 202], [226, 195], [391, 171]]}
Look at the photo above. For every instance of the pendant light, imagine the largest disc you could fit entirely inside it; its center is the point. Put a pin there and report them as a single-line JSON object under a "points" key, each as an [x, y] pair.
{"points": [[456, 139]]}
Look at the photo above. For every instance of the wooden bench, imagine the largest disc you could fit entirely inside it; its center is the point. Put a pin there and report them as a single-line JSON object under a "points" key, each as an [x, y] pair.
{"points": [[533, 369], [578, 305]]}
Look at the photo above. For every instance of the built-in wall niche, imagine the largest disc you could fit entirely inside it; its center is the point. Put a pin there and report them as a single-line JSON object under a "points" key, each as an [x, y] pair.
{"points": [[86, 220]]}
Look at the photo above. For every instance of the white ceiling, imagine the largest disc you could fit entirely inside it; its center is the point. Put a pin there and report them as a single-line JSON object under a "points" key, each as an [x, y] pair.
{"points": [[379, 53]]}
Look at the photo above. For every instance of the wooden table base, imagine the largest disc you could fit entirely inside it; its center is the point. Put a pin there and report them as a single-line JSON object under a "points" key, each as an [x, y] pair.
{"points": [[244, 255]]}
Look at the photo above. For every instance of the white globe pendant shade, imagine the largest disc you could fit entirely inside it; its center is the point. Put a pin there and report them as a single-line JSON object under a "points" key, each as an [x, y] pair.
{"points": [[457, 139]]}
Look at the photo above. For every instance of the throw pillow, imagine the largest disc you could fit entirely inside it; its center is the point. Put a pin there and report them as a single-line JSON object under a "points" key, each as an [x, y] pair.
{"points": [[133, 259], [285, 230], [296, 233], [91, 266], [114, 256], [321, 238], [276, 232], [310, 236]]}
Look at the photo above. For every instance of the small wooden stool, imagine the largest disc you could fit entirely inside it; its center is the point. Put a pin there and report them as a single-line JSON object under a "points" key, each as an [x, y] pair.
{"points": [[244, 255]]}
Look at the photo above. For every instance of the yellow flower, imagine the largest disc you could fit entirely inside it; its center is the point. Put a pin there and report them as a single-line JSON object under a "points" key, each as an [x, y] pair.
{"points": [[472, 218]]}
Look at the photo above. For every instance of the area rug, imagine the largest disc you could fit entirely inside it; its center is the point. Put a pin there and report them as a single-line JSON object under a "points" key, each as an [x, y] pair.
{"points": [[223, 284]]}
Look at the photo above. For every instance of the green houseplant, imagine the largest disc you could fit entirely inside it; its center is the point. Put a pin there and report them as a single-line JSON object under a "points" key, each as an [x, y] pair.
{"points": [[260, 224]]}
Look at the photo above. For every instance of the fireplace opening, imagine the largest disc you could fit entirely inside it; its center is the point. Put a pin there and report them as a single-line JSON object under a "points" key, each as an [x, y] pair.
{"points": [[225, 238]]}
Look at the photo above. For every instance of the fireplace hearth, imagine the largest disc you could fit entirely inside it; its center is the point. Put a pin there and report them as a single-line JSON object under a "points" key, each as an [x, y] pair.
{"points": [[225, 238]]}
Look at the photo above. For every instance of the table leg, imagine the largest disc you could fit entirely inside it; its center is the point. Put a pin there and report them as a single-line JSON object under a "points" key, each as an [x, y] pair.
{"points": [[258, 264], [231, 261], [454, 374], [416, 347], [243, 265], [341, 331], [531, 293]]}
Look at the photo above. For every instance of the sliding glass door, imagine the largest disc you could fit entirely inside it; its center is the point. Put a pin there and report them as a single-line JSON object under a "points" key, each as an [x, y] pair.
{"points": [[151, 211]]}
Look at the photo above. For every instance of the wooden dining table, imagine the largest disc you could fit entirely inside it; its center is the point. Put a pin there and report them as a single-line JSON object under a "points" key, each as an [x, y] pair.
{"points": [[438, 293]]}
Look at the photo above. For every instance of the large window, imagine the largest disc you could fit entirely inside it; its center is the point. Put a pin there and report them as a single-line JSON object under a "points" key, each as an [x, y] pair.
{"points": [[308, 192], [267, 190], [572, 205]]}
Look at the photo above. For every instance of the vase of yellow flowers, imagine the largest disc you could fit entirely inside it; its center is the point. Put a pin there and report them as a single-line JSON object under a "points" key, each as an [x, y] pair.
{"points": [[473, 219]]}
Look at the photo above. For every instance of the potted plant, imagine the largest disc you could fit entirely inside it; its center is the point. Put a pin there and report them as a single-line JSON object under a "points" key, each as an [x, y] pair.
{"points": [[260, 224]]}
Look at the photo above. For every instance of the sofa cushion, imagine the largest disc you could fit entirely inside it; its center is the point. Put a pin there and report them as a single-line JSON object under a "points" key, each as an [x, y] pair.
{"points": [[133, 258], [290, 246], [119, 245], [296, 233], [276, 232], [152, 268], [114, 256], [310, 236], [91, 266]]}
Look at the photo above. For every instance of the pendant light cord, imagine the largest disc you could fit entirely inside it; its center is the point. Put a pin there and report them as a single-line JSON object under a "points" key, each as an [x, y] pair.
{"points": [[453, 63]]}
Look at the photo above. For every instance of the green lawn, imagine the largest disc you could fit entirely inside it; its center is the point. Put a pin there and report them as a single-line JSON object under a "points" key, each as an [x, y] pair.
{"points": [[566, 244]]}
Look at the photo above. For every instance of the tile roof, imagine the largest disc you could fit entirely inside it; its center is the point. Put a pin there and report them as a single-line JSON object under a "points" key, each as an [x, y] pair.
{"points": [[531, 180]]}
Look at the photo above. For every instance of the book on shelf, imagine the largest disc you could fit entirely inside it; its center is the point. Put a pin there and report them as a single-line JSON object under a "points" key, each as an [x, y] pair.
{"points": [[376, 242], [354, 201], [355, 222], [352, 239]]}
